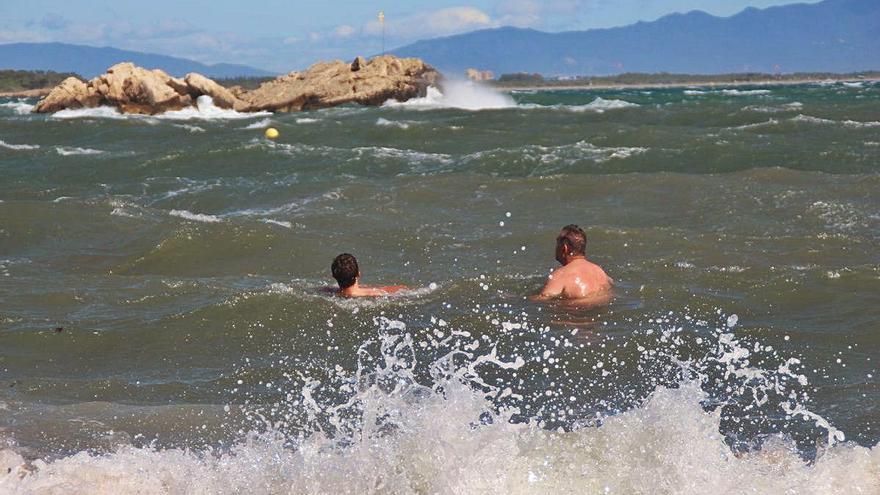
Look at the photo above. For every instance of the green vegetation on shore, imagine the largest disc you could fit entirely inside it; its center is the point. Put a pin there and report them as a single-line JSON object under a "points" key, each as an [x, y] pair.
{"points": [[24, 80], [524, 79]]}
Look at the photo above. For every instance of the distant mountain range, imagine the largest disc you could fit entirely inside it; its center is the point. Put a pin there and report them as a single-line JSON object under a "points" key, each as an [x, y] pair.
{"points": [[833, 36], [89, 61]]}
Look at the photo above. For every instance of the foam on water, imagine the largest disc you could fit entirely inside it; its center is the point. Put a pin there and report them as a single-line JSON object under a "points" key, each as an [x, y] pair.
{"points": [[204, 110], [18, 147], [72, 150], [19, 107], [598, 105], [260, 124], [382, 122], [457, 94], [394, 432], [195, 217]]}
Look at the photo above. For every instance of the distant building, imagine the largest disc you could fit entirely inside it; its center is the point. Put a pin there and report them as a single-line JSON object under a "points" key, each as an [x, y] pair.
{"points": [[479, 75]]}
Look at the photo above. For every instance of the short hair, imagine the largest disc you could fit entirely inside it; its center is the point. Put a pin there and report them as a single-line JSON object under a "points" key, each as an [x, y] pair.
{"points": [[345, 270], [573, 237]]}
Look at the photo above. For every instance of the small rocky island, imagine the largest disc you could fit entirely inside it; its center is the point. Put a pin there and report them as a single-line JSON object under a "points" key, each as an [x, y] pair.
{"points": [[132, 89]]}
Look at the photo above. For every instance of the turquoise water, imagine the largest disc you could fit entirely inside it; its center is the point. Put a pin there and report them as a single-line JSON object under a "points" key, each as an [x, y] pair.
{"points": [[162, 327]]}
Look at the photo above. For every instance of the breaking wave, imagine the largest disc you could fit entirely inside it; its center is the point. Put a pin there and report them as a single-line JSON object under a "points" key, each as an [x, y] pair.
{"points": [[19, 107], [18, 147], [204, 110], [72, 150], [457, 94], [458, 423]]}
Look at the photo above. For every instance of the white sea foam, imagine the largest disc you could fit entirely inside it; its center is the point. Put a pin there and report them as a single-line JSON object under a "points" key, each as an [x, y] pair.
{"points": [[204, 110], [94, 113], [281, 223], [72, 151], [306, 120], [382, 122], [258, 124], [19, 107], [745, 92], [395, 435], [598, 105], [195, 217], [18, 147], [457, 94], [191, 128], [694, 92]]}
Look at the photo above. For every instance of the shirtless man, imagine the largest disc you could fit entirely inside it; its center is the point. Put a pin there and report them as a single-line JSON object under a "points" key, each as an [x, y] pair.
{"points": [[577, 278], [347, 274]]}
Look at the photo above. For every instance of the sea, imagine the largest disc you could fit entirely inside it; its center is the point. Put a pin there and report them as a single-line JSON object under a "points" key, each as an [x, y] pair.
{"points": [[164, 328]]}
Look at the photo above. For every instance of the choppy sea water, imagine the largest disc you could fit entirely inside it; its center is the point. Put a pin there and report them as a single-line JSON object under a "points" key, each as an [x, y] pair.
{"points": [[162, 328]]}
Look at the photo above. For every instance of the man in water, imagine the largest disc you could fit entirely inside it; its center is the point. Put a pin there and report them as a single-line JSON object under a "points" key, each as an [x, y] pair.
{"points": [[347, 274], [577, 279]]}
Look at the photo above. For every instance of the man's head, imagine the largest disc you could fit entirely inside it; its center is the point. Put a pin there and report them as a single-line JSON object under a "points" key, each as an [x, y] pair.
{"points": [[345, 270], [572, 241]]}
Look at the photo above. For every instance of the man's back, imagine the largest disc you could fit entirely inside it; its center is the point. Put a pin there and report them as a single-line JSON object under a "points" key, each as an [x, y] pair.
{"points": [[578, 279]]}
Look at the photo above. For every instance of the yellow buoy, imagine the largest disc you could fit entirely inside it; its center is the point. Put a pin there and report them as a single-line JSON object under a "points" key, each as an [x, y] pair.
{"points": [[271, 133]]}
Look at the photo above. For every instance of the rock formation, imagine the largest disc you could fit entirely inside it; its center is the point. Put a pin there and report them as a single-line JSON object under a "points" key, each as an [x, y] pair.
{"points": [[132, 89]]}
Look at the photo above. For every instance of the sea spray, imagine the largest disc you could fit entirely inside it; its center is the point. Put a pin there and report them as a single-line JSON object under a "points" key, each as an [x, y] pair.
{"points": [[399, 424], [465, 95]]}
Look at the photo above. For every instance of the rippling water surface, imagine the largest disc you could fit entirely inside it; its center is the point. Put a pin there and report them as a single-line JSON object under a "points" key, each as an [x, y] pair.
{"points": [[162, 328]]}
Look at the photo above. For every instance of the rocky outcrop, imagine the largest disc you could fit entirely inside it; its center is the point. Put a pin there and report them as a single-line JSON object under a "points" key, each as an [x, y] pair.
{"points": [[329, 84], [133, 89]]}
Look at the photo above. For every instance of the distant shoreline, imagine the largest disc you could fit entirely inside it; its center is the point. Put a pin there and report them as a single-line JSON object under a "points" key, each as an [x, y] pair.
{"points": [[27, 93], [671, 85]]}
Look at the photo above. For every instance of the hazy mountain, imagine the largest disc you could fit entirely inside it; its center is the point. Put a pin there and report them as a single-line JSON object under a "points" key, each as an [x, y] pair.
{"points": [[834, 35], [89, 61]]}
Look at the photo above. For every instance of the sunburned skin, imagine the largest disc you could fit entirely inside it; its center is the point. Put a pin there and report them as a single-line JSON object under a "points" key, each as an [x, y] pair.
{"points": [[577, 281], [358, 290]]}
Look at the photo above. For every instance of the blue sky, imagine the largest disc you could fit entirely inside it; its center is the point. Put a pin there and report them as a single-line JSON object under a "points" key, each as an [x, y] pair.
{"points": [[283, 35]]}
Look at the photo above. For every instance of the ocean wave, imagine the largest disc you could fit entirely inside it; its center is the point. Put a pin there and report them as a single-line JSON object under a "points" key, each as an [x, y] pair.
{"points": [[745, 92], [73, 151], [307, 120], [382, 122], [204, 110], [280, 223], [19, 147], [846, 123], [19, 107], [381, 430], [258, 124], [191, 128], [195, 217], [598, 105], [458, 95]]}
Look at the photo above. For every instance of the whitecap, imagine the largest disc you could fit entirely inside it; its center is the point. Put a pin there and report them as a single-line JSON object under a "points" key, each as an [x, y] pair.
{"points": [[306, 120], [598, 105], [459, 95], [190, 128], [20, 107], [258, 124], [206, 110], [195, 217], [19, 147], [745, 92], [392, 123], [68, 151], [281, 223]]}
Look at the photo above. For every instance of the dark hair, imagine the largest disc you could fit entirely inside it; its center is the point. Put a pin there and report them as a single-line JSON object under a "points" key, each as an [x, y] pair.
{"points": [[345, 270], [573, 237]]}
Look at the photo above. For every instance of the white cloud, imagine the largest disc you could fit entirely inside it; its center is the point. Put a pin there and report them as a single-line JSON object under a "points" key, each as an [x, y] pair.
{"points": [[441, 22], [344, 31]]}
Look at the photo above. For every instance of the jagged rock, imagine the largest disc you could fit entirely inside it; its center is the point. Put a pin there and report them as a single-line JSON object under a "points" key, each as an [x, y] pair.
{"points": [[328, 84], [223, 98], [132, 89], [71, 93]]}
